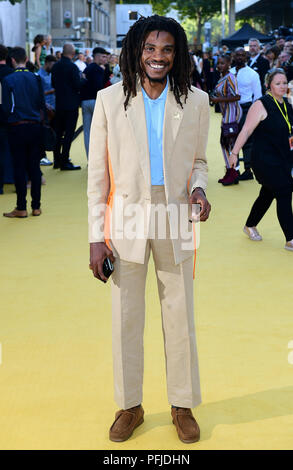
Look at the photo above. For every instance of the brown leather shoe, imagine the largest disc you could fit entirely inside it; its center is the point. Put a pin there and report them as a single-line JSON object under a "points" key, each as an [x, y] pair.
{"points": [[36, 212], [186, 426], [125, 423], [15, 213]]}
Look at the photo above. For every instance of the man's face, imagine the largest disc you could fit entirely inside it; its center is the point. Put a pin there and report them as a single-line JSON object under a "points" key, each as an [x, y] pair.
{"points": [[101, 59], [48, 66], [254, 48], [158, 55], [81, 57], [280, 43], [240, 57]]}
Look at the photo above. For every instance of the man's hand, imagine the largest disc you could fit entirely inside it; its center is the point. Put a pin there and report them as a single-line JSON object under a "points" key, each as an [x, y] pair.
{"points": [[198, 197], [98, 253]]}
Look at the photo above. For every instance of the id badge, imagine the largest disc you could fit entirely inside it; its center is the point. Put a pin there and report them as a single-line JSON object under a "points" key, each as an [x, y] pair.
{"points": [[291, 142]]}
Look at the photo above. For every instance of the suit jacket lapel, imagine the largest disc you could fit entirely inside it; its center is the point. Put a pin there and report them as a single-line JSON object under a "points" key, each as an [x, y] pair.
{"points": [[172, 121], [136, 117]]}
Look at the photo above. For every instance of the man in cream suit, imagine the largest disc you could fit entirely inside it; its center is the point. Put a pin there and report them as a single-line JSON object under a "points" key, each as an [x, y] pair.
{"points": [[147, 152]]}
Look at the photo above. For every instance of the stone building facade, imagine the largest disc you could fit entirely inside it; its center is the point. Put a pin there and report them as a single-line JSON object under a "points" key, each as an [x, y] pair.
{"points": [[88, 22]]}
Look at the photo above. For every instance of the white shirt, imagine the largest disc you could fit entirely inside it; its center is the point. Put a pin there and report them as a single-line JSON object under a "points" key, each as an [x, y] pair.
{"points": [[253, 59], [249, 85], [80, 64]]}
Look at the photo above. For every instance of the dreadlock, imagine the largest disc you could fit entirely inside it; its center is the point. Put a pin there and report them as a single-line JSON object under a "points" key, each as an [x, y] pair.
{"points": [[132, 47]]}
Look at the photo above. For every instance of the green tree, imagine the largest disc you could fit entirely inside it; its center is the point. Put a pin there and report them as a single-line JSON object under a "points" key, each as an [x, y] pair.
{"points": [[161, 7], [13, 2], [200, 10], [126, 2]]}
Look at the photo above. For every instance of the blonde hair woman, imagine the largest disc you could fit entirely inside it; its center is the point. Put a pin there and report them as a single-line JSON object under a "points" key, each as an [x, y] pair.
{"points": [[270, 120]]}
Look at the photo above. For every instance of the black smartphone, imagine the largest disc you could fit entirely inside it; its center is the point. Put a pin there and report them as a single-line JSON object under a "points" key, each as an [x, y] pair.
{"points": [[108, 267]]}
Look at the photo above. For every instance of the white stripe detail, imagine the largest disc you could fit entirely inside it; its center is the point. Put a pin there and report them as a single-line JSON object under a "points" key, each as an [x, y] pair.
{"points": [[13, 102]]}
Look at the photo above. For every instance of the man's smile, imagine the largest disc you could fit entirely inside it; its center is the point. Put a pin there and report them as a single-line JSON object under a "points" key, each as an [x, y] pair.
{"points": [[156, 66]]}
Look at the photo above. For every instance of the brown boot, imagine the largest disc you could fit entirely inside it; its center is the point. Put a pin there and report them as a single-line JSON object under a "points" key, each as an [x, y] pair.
{"points": [[125, 423], [16, 213], [186, 426], [36, 212]]}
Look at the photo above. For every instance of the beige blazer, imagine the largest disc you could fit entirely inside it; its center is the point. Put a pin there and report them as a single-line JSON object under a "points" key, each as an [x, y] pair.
{"points": [[119, 165]]}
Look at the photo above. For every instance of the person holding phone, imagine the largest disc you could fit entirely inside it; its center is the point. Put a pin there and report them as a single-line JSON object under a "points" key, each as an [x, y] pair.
{"points": [[270, 121]]}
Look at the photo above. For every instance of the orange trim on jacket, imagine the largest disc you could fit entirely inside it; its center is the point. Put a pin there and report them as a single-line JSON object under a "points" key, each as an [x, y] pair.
{"points": [[109, 205], [193, 223]]}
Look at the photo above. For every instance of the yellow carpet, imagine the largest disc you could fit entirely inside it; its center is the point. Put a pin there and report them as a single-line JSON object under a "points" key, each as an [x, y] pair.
{"points": [[55, 328]]}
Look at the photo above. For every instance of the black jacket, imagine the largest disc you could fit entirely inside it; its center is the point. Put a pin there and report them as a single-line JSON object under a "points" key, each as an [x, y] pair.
{"points": [[4, 71], [23, 98], [261, 66], [67, 82]]}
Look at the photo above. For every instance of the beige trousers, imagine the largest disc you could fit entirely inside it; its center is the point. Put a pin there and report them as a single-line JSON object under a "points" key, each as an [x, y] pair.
{"points": [[175, 286]]}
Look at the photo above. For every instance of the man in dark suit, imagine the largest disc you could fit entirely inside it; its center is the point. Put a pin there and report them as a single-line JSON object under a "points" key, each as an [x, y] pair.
{"points": [[4, 146], [257, 62], [67, 82]]}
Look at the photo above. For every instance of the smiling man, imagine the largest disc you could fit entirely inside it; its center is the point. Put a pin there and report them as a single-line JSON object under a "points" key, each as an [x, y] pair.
{"points": [[147, 150]]}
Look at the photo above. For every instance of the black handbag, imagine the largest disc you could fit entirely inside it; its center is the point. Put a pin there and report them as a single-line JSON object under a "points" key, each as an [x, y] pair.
{"points": [[48, 134], [230, 129]]}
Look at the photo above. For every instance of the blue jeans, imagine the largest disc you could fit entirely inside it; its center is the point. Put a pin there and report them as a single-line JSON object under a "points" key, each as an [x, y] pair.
{"points": [[87, 107]]}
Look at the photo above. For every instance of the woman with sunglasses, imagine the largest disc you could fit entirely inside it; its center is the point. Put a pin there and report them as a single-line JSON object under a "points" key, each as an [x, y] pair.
{"points": [[270, 120]]}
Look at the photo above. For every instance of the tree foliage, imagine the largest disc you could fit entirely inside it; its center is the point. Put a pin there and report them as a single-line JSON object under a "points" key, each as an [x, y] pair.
{"points": [[198, 9], [13, 2], [161, 7]]}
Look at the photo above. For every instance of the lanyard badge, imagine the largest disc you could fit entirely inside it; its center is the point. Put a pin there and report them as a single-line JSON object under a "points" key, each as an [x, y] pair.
{"points": [[286, 117]]}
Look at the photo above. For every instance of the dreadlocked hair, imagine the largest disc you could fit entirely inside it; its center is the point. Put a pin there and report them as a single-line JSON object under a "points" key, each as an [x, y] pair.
{"points": [[132, 47]]}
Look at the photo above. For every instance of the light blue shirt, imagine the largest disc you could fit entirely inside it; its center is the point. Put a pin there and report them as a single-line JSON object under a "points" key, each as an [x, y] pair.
{"points": [[154, 113]]}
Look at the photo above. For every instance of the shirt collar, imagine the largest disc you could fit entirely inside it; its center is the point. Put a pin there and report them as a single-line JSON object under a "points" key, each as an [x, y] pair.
{"points": [[254, 59], [162, 96]]}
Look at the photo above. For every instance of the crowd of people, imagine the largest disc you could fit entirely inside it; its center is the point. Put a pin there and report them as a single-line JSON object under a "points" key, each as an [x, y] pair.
{"points": [[234, 81], [253, 91], [48, 90]]}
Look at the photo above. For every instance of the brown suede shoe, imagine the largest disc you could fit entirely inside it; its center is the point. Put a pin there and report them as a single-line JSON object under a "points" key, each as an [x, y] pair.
{"points": [[16, 213], [36, 212], [186, 426], [125, 423]]}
